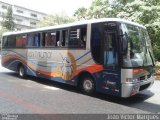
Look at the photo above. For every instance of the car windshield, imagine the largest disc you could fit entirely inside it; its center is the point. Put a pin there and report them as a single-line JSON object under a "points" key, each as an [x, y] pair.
{"points": [[138, 52]]}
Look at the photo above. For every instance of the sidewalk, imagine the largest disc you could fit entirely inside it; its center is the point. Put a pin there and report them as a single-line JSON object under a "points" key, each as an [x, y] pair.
{"points": [[157, 77], [155, 87]]}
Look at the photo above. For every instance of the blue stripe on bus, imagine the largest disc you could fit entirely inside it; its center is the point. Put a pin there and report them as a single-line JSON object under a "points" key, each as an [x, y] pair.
{"points": [[10, 64], [83, 56], [51, 66], [32, 71]]}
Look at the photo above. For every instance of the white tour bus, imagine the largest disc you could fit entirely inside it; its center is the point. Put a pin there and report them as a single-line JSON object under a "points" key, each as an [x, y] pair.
{"points": [[110, 55]]}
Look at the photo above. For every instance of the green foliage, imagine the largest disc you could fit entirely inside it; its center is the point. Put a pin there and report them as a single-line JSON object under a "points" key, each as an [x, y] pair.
{"points": [[52, 20], [154, 33], [8, 23], [145, 12], [2, 30], [8, 20], [98, 9], [81, 13]]}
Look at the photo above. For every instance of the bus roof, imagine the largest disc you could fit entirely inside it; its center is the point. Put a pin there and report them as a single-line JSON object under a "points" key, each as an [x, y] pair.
{"points": [[73, 24]]}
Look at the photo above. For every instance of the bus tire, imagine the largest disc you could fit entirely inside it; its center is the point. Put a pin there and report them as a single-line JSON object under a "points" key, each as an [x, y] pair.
{"points": [[21, 71], [87, 85]]}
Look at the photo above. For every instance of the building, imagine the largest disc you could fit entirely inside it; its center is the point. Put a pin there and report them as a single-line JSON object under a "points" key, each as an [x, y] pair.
{"points": [[24, 18]]}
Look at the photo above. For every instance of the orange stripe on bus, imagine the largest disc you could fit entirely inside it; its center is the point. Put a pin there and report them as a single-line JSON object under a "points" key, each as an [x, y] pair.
{"points": [[56, 74], [92, 69]]}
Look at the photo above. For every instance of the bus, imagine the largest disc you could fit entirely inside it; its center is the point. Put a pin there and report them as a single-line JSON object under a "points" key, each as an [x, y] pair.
{"points": [[110, 55]]}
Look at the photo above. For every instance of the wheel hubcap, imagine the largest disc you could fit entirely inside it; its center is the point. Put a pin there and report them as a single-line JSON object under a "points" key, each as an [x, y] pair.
{"points": [[21, 71], [88, 85]]}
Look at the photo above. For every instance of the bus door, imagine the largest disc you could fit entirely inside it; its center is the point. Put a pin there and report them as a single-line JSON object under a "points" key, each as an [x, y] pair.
{"points": [[112, 72]]}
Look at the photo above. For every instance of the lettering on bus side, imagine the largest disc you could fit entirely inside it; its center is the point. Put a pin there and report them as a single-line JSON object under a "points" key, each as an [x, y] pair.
{"points": [[38, 54]]}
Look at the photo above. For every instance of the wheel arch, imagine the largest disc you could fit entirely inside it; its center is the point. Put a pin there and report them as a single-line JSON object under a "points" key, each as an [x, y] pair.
{"points": [[19, 65], [83, 74]]}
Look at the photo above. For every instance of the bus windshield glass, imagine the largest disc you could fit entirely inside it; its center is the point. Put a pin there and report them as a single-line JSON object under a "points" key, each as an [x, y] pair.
{"points": [[137, 51]]}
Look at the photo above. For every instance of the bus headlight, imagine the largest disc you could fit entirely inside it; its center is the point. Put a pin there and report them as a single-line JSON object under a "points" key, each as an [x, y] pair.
{"points": [[133, 80]]}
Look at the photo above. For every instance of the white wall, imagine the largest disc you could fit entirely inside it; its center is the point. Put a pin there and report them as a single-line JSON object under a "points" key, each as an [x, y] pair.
{"points": [[24, 19]]}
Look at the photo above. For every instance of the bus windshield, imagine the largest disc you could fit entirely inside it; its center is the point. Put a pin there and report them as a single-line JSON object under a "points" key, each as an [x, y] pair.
{"points": [[137, 51]]}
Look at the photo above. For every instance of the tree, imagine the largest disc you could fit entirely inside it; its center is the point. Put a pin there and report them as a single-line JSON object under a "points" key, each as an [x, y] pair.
{"points": [[52, 20], [81, 13], [146, 12], [8, 20], [2, 30], [98, 9]]}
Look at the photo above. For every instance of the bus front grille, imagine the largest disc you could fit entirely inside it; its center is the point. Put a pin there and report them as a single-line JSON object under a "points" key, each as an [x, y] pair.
{"points": [[144, 87], [142, 78]]}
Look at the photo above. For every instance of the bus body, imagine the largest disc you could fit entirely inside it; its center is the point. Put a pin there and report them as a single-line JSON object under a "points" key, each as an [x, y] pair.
{"points": [[110, 55]]}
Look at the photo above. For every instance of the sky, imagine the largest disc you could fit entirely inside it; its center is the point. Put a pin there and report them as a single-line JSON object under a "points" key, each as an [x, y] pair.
{"points": [[52, 6]]}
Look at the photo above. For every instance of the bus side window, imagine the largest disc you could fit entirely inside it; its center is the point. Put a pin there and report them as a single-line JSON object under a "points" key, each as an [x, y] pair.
{"points": [[64, 38], [47, 39], [50, 39], [20, 40], [96, 43], [11, 41], [42, 39], [78, 37], [36, 39], [57, 38], [53, 39], [4, 42], [24, 39], [83, 36], [30, 40], [110, 48]]}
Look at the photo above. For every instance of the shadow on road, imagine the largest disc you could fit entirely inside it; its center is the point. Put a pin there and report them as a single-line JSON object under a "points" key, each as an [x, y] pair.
{"points": [[138, 101]]}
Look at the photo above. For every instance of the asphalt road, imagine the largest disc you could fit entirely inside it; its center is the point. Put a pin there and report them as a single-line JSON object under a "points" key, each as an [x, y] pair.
{"points": [[35, 95]]}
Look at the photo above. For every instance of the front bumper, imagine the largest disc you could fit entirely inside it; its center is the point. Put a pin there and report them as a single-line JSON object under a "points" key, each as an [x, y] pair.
{"points": [[130, 89]]}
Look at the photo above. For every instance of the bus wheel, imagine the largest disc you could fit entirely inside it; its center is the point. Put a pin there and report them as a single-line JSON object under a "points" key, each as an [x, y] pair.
{"points": [[88, 86], [21, 71]]}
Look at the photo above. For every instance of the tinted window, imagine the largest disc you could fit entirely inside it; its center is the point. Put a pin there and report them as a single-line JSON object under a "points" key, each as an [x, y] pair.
{"points": [[78, 37], [33, 40], [58, 38], [50, 39], [37, 39], [11, 41], [110, 48], [30, 40], [96, 36], [20, 40], [65, 38], [4, 42]]}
